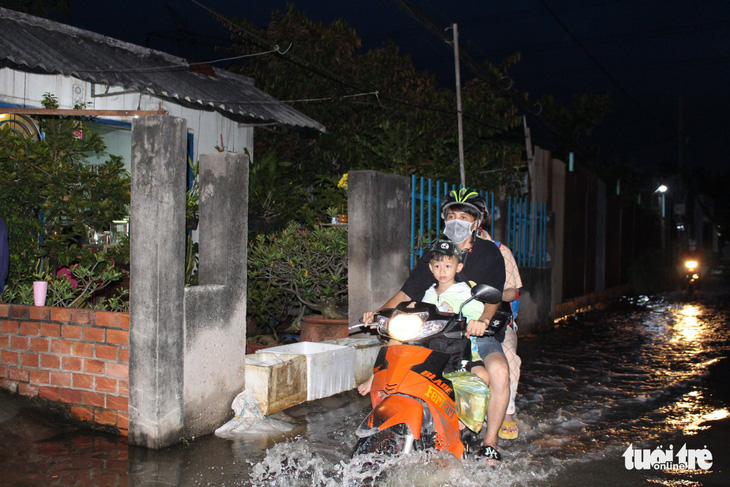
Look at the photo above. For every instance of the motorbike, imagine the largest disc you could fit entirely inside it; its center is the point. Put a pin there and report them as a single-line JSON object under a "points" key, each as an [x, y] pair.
{"points": [[691, 275], [413, 404]]}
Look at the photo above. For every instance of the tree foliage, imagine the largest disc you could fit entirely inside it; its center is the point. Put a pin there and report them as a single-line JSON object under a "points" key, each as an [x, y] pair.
{"points": [[380, 113]]}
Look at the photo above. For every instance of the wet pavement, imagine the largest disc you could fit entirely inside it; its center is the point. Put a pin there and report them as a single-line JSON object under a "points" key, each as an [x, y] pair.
{"points": [[651, 372]]}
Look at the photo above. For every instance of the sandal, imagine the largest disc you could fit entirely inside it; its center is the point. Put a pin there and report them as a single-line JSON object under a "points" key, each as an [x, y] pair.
{"points": [[504, 432], [489, 453]]}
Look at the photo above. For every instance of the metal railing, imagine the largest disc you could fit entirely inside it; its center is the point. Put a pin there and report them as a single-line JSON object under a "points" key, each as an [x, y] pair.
{"points": [[526, 222]]}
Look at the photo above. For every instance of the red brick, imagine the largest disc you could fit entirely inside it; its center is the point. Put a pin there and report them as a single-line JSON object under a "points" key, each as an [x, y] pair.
{"points": [[83, 381], [123, 423], [60, 379], [8, 357], [107, 318], [123, 388], [19, 311], [4, 341], [19, 343], [39, 377], [108, 352], [71, 331], [50, 330], [82, 316], [94, 399], [104, 384], [119, 371], [16, 373], [124, 321], [4, 310], [71, 396], [49, 361], [50, 393], [9, 326], [29, 328], [83, 349], [84, 414], [93, 366], [94, 334], [117, 403], [40, 313], [28, 359], [8, 385], [124, 354], [40, 344], [61, 346], [102, 416], [27, 390], [72, 363], [119, 337], [61, 314]]}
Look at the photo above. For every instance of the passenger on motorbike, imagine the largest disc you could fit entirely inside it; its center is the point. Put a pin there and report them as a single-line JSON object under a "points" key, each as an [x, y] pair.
{"points": [[482, 264]]}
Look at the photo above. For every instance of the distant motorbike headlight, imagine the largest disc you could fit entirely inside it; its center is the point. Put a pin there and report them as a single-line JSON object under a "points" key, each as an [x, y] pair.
{"points": [[691, 264]]}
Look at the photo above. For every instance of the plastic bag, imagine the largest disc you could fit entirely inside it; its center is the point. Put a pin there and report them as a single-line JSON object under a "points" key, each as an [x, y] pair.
{"points": [[250, 420], [472, 398]]}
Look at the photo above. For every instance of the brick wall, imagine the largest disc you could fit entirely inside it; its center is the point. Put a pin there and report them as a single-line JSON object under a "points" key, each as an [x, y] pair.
{"points": [[77, 358]]}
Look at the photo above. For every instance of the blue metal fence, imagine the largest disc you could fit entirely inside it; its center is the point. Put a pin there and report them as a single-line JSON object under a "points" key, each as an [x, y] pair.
{"points": [[526, 222], [527, 231]]}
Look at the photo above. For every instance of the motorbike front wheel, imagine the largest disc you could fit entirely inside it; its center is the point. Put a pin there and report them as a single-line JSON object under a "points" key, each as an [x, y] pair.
{"points": [[391, 441]]}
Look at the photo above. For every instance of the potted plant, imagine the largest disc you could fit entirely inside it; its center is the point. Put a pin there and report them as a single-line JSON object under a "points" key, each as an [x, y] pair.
{"points": [[310, 265]]}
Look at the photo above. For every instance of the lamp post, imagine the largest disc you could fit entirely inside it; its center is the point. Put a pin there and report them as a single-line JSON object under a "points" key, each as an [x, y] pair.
{"points": [[662, 190]]}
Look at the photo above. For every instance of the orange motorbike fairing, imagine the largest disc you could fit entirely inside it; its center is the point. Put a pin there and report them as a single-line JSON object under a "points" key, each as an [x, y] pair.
{"points": [[408, 370]]}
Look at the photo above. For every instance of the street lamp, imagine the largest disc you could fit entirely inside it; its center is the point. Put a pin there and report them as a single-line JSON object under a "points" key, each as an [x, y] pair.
{"points": [[662, 189]]}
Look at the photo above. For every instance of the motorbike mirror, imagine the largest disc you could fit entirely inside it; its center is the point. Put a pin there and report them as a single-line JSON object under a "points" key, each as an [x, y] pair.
{"points": [[486, 294]]}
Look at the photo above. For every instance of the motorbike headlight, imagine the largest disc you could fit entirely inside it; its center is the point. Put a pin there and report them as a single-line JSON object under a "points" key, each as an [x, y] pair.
{"points": [[410, 326], [690, 264]]}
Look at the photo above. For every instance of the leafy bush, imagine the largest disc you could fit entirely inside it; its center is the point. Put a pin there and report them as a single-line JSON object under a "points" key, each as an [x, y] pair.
{"points": [[306, 265], [49, 200]]}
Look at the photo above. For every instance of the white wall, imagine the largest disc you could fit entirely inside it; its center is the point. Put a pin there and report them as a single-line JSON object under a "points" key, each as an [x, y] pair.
{"points": [[27, 89]]}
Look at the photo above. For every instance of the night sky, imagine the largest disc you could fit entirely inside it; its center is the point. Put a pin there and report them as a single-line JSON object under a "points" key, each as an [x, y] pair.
{"points": [[647, 54]]}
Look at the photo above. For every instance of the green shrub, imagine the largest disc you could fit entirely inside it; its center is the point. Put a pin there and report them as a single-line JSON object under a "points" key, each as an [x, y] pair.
{"points": [[308, 266]]}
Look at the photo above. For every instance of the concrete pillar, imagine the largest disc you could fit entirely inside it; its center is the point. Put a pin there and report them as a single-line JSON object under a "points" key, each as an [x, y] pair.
{"points": [[215, 310], [378, 208], [157, 266]]}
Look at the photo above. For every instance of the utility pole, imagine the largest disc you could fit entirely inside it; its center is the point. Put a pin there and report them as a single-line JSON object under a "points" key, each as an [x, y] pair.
{"points": [[458, 105]]}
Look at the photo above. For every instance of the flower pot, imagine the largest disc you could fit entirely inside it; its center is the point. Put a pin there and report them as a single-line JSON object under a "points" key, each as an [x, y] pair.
{"points": [[40, 289], [342, 218], [316, 328]]}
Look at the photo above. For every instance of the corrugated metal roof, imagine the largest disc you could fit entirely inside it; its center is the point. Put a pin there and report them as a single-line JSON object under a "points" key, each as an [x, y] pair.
{"points": [[38, 45]]}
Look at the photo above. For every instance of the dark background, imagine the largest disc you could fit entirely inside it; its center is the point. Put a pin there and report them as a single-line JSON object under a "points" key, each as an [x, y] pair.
{"points": [[665, 63]]}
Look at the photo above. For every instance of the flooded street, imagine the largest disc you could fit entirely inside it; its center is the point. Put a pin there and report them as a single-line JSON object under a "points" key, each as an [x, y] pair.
{"points": [[651, 372]]}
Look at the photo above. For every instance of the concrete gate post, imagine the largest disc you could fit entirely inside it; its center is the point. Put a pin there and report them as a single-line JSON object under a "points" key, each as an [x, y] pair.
{"points": [[215, 309], [157, 266], [379, 215]]}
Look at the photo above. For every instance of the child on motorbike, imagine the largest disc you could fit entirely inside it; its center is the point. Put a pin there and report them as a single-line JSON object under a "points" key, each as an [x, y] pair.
{"points": [[448, 295]]}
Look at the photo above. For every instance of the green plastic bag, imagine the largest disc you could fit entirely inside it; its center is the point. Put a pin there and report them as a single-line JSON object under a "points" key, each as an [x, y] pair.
{"points": [[472, 398]]}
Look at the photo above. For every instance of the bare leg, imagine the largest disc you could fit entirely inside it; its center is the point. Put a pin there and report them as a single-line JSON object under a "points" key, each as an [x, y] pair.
{"points": [[498, 370], [509, 345]]}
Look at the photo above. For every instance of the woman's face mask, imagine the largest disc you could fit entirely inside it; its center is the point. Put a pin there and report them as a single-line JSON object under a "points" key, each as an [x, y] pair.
{"points": [[458, 230]]}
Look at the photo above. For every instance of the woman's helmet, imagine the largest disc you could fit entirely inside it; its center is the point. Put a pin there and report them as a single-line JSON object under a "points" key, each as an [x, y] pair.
{"points": [[465, 200]]}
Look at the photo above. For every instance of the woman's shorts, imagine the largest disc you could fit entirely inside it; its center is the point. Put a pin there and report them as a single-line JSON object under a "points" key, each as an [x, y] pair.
{"points": [[487, 345]]}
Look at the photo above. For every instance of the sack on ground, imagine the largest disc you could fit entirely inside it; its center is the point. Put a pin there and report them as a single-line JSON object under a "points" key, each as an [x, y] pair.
{"points": [[249, 420]]}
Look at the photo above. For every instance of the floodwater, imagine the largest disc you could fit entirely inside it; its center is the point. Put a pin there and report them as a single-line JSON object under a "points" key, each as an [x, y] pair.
{"points": [[651, 372]]}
